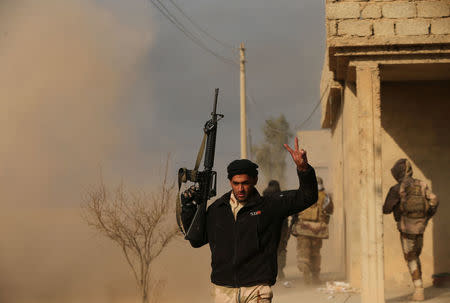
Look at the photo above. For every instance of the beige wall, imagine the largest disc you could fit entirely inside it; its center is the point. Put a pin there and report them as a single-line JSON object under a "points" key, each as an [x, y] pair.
{"points": [[345, 166], [336, 173], [351, 182]]}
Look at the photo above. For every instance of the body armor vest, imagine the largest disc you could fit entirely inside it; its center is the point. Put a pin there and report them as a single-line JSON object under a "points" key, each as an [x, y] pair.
{"points": [[315, 212], [413, 203]]}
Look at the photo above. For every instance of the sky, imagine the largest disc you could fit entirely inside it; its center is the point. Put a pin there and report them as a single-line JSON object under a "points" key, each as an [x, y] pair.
{"points": [[92, 88], [285, 47]]}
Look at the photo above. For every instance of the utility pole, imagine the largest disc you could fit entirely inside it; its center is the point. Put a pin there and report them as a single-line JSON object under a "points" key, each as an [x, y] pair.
{"points": [[243, 103], [250, 144]]}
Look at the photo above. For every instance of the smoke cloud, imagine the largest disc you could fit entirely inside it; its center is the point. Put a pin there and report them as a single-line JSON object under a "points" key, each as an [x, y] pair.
{"points": [[66, 68], [70, 81]]}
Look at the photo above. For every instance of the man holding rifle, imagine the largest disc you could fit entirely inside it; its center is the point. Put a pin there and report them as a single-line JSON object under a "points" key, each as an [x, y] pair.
{"points": [[243, 229]]}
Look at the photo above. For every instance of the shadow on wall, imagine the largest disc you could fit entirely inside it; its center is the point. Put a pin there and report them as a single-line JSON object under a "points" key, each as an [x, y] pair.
{"points": [[415, 115]]}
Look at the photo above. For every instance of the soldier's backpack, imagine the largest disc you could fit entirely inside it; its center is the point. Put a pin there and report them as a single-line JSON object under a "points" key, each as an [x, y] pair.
{"points": [[312, 212], [413, 203]]}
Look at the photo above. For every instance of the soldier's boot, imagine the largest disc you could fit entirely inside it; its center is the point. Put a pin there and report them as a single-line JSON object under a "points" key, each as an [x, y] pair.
{"points": [[315, 278], [315, 266], [307, 275], [416, 273], [418, 294]]}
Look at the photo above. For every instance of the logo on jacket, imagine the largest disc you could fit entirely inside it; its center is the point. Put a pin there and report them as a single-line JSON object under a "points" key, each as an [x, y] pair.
{"points": [[255, 213]]}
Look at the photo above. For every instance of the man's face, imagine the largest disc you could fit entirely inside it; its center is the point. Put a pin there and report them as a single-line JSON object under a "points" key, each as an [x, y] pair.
{"points": [[242, 186]]}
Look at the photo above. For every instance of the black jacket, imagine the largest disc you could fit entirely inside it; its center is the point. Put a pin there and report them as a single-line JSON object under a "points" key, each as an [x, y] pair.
{"points": [[244, 251]]}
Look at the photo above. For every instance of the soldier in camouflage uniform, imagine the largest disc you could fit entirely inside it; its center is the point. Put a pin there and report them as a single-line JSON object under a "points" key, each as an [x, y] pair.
{"points": [[274, 188], [310, 227], [413, 204]]}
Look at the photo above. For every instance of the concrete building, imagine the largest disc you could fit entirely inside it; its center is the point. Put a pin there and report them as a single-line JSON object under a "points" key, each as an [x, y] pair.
{"points": [[386, 81], [318, 145]]}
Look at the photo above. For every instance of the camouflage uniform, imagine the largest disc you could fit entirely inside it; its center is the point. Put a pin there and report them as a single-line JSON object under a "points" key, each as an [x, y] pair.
{"points": [[310, 227], [413, 204], [253, 294]]}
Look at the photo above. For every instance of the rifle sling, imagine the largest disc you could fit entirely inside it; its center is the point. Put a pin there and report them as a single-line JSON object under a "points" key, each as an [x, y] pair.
{"points": [[200, 153], [180, 181]]}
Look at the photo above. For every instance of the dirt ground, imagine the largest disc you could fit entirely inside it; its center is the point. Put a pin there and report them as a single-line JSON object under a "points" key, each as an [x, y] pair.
{"points": [[51, 256], [297, 291], [294, 291]]}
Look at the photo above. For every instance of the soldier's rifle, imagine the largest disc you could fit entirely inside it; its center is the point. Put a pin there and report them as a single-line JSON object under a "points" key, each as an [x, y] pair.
{"points": [[206, 180]]}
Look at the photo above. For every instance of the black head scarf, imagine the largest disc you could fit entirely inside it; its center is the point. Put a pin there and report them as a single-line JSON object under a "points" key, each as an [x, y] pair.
{"points": [[242, 167]]}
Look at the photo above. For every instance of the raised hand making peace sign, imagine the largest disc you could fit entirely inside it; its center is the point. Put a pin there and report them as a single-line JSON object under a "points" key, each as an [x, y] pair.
{"points": [[299, 156]]}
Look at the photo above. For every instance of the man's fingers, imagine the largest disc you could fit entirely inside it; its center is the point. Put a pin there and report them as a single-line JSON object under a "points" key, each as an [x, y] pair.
{"points": [[296, 143], [303, 155], [288, 148]]}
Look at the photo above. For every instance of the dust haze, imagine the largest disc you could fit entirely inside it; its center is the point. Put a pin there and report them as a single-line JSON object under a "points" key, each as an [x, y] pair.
{"points": [[64, 73], [67, 68]]}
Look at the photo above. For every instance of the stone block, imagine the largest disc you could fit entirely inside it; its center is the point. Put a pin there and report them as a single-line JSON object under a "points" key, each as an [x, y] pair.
{"points": [[399, 9], [331, 28], [433, 8], [440, 26], [361, 28], [412, 27], [343, 10], [383, 28], [371, 11]]}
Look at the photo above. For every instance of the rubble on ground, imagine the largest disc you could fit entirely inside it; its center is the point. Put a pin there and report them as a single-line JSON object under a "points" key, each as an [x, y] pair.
{"points": [[335, 287]]}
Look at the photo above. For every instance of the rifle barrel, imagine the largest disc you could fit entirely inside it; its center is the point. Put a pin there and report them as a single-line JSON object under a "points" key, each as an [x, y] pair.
{"points": [[216, 94]]}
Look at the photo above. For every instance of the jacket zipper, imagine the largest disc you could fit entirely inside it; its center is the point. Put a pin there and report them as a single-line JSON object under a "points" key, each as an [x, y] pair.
{"points": [[236, 235]]}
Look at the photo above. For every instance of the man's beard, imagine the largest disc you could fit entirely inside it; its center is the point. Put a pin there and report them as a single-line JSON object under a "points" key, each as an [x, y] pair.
{"points": [[240, 200], [244, 199]]}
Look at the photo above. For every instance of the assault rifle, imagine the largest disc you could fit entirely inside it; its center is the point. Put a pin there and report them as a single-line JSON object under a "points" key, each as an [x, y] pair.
{"points": [[206, 180]]}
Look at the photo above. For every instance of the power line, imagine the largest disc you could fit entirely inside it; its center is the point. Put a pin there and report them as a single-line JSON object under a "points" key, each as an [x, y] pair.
{"points": [[298, 126], [189, 34], [166, 13], [198, 27], [309, 117]]}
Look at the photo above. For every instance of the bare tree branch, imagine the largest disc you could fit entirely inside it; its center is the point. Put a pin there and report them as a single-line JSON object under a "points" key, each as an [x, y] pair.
{"points": [[137, 221]]}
